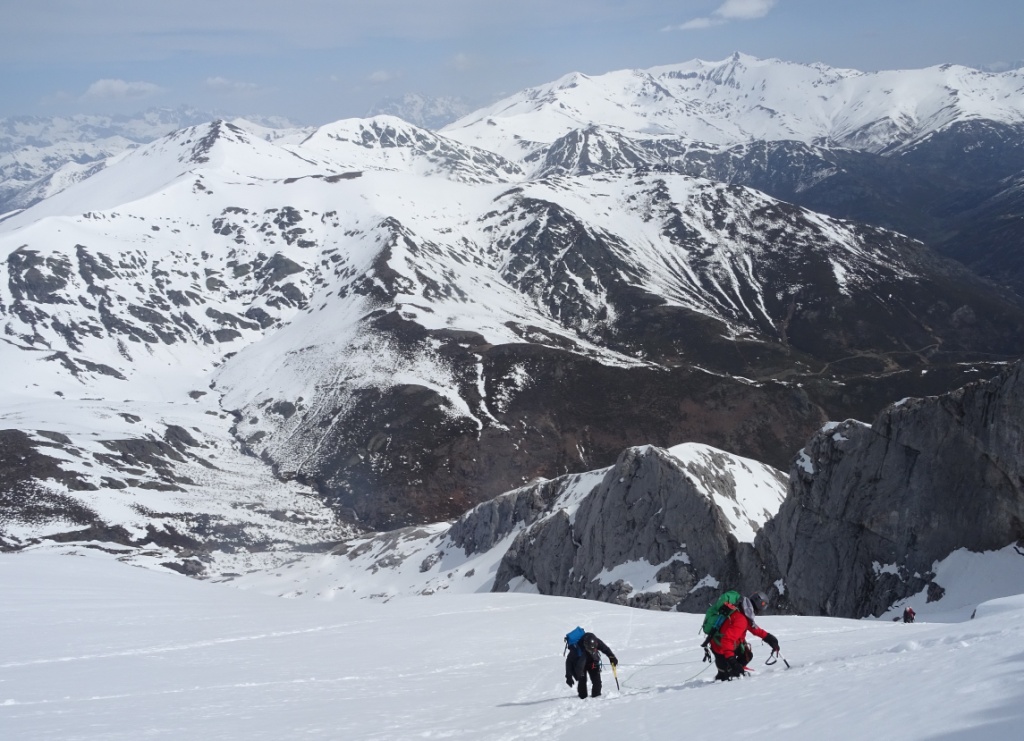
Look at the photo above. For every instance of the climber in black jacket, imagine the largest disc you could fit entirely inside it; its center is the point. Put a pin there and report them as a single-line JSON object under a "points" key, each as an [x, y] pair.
{"points": [[583, 660]]}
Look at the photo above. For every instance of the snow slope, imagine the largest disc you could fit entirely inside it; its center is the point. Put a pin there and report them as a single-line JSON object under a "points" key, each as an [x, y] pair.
{"points": [[92, 649]]}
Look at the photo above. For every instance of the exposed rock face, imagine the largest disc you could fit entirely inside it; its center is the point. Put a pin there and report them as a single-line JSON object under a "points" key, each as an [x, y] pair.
{"points": [[870, 509], [483, 527], [661, 529], [22, 496], [649, 510]]}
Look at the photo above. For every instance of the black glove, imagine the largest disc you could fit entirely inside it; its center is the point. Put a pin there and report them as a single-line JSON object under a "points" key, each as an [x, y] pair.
{"points": [[615, 662], [569, 681], [772, 641]]}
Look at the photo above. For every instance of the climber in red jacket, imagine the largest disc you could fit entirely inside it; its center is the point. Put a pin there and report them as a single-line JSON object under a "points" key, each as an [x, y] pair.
{"points": [[729, 645]]}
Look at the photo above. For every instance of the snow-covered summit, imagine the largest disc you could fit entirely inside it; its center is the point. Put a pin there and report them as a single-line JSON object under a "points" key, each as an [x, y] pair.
{"points": [[218, 149], [742, 99], [40, 156], [422, 110], [391, 144]]}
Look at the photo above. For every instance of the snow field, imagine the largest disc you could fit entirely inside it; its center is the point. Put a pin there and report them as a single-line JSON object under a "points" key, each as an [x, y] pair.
{"points": [[94, 649]]}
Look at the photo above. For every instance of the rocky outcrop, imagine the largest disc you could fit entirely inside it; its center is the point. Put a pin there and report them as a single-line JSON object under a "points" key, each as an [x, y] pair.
{"points": [[24, 496], [871, 509], [485, 526], [652, 533]]}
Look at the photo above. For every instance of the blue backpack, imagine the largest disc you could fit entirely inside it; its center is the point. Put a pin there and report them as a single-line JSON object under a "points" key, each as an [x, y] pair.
{"points": [[573, 637]]}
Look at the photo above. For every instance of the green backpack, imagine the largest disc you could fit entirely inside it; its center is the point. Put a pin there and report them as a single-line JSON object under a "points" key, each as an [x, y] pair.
{"points": [[719, 612]]}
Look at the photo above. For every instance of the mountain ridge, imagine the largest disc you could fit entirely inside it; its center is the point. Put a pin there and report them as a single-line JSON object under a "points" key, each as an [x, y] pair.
{"points": [[396, 325], [848, 108]]}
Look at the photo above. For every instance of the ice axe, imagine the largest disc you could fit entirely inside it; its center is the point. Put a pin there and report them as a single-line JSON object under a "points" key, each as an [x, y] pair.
{"points": [[615, 673]]}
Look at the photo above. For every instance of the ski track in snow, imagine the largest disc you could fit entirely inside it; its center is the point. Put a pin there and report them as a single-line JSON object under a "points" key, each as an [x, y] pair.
{"points": [[95, 649]]}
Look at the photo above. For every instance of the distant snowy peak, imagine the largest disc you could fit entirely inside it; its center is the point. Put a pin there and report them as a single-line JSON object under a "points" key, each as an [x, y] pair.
{"points": [[742, 99], [422, 110], [389, 143], [39, 131], [579, 247], [19, 132], [221, 150], [283, 134], [596, 149], [41, 156], [221, 144]]}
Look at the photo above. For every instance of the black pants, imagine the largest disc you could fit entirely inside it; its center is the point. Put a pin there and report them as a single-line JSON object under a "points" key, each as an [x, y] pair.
{"points": [[732, 667], [595, 681]]}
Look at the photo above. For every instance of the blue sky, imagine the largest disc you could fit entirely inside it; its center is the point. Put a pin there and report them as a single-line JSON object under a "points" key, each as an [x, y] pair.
{"points": [[315, 61]]}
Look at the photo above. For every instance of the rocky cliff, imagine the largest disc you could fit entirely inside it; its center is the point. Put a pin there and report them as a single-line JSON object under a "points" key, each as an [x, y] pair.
{"points": [[662, 529], [870, 509]]}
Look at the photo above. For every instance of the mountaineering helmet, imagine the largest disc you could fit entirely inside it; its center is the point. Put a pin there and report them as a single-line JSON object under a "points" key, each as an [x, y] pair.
{"points": [[590, 643], [760, 602]]}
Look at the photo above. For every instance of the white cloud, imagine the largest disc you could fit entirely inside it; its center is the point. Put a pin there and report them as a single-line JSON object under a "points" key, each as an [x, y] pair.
{"points": [[696, 24], [224, 85], [381, 76], [120, 90], [730, 10], [744, 9]]}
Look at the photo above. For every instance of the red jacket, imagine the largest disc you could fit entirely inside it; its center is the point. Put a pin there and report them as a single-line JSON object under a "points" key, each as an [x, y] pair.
{"points": [[733, 632]]}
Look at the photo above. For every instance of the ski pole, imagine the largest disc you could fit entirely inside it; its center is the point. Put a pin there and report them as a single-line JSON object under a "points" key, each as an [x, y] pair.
{"points": [[783, 658]]}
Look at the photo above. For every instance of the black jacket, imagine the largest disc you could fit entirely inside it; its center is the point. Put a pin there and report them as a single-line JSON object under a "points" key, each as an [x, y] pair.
{"points": [[578, 660]]}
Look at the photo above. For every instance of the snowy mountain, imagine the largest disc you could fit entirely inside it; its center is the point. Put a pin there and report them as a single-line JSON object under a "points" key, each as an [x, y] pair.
{"points": [[42, 156], [463, 322], [909, 150], [743, 99], [387, 326], [390, 144]]}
